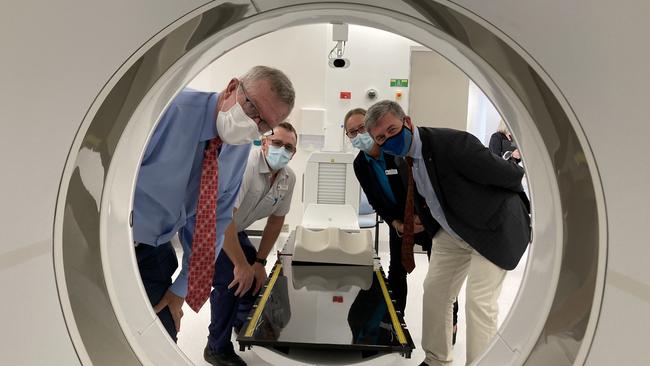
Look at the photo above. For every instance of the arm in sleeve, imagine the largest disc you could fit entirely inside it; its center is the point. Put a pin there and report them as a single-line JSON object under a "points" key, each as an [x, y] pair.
{"points": [[185, 234], [495, 144], [245, 184], [233, 159], [375, 202], [475, 162]]}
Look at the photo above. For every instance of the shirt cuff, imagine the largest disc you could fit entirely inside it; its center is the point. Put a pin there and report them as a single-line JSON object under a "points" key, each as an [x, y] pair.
{"points": [[179, 287]]}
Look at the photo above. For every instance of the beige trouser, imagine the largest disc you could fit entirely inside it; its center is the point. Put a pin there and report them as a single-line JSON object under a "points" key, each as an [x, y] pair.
{"points": [[453, 260]]}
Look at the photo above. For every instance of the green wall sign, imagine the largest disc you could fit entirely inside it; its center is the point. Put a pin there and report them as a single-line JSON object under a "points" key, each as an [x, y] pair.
{"points": [[404, 83]]}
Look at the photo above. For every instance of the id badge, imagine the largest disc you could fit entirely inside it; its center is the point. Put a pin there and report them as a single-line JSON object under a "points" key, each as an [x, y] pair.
{"points": [[391, 171]]}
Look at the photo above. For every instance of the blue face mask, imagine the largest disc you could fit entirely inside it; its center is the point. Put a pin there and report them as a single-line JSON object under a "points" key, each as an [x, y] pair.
{"points": [[363, 141], [399, 144], [278, 157]]}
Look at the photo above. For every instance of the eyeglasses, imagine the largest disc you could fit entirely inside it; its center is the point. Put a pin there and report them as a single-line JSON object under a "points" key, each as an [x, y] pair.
{"points": [[253, 112], [353, 133], [279, 143]]}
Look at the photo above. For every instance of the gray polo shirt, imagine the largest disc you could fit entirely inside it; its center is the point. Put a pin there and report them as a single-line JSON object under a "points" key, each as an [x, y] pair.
{"points": [[258, 198]]}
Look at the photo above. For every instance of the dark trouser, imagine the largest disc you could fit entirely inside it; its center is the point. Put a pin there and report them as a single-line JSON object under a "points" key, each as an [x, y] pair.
{"points": [[397, 273], [157, 265], [227, 309]]}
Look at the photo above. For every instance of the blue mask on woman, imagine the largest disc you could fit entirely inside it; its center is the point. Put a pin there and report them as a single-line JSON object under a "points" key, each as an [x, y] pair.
{"points": [[399, 144], [278, 157], [363, 141]]}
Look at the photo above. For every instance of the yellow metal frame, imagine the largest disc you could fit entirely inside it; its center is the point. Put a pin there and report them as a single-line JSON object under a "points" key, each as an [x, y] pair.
{"points": [[274, 277], [391, 309], [262, 303]]}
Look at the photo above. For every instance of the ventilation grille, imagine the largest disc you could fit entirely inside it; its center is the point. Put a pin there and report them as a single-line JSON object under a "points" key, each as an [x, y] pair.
{"points": [[331, 183]]}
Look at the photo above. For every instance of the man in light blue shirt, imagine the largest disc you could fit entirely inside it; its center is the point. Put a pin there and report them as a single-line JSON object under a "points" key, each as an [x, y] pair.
{"points": [[167, 188]]}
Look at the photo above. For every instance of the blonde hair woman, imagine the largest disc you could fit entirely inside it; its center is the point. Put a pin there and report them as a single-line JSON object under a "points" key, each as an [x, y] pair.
{"points": [[501, 143]]}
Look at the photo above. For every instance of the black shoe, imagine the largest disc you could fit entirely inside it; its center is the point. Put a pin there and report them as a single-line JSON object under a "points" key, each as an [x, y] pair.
{"points": [[222, 358]]}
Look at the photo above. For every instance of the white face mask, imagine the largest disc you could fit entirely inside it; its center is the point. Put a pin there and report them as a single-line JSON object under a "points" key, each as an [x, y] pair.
{"points": [[235, 127], [278, 157], [363, 142]]}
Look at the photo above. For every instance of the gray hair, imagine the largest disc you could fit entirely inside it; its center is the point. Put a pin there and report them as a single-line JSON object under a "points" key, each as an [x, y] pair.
{"points": [[279, 82], [379, 110]]}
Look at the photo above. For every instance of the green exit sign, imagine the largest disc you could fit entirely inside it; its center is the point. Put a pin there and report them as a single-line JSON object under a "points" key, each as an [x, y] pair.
{"points": [[404, 83]]}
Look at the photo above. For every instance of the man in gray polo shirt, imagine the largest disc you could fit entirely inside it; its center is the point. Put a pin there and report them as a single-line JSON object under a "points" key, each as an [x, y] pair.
{"points": [[266, 191]]}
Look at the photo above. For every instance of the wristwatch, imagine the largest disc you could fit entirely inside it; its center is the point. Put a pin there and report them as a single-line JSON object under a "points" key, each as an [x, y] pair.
{"points": [[261, 261]]}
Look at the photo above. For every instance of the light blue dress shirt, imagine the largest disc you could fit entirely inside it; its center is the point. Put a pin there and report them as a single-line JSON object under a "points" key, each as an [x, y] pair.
{"points": [[379, 167], [424, 186], [167, 188]]}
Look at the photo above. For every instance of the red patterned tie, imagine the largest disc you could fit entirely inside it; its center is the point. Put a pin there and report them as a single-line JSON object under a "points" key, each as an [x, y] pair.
{"points": [[408, 261], [205, 233]]}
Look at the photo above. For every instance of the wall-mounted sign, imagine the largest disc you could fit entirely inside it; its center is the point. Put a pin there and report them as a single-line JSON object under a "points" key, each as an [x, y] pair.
{"points": [[404, 83]]}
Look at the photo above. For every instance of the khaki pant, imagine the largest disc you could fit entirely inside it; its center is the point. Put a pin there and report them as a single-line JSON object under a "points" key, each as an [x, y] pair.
{"points": [[452, 261]]}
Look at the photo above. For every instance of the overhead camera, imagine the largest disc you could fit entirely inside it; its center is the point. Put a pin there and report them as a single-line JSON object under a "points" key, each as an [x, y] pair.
{"points": [[335, 57], [339, 63]]}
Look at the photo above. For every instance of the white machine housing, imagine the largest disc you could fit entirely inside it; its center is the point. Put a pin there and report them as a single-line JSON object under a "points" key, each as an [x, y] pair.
{"points": [[329, 178]]}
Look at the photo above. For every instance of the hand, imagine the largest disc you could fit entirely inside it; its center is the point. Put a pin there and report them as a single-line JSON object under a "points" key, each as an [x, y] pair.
{"points": [[260, 277], [243, 278], [516, 155], [175, 304], [417, 225], [398, 225]]}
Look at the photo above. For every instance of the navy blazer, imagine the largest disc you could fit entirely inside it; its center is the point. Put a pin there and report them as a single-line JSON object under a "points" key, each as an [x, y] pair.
{"points": [[480, 194], [385, 208]]}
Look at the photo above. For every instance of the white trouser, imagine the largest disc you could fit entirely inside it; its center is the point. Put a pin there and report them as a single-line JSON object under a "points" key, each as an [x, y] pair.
{"points": [[452, 261]]}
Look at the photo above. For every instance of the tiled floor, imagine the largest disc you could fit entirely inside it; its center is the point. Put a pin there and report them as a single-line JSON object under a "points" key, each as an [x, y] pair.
{"points": [[192, 338]]}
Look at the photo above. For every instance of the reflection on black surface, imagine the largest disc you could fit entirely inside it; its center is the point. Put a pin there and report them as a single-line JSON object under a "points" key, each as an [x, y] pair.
{"points": [[331, 278], [334, 306], [277, 311], [369, 318]]}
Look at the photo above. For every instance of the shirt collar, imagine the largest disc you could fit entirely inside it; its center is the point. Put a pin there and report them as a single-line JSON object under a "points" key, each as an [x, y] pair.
{"points": [[261, 163], [416, 145], [209, 130], [370, 158]]}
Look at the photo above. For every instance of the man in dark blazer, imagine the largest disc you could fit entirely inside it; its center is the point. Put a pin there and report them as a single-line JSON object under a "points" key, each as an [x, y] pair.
{"points": [[380, 180], [378, 176], [479, 220]]}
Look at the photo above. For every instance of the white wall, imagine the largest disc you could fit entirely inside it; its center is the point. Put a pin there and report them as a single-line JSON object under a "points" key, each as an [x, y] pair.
{"points": [[482, 117], [439, 91], [301, 52], [376, 57]]}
